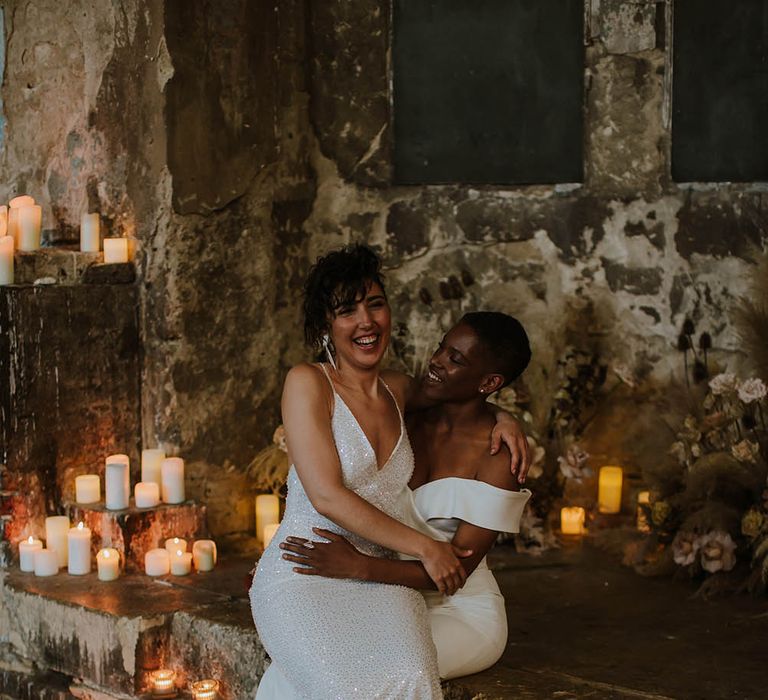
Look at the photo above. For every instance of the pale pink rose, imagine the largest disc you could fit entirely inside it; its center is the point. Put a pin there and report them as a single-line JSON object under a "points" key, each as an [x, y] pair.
{"points": [[724, 383], [752, 390], [574, 464], [684, 548], [718, 552], [746, 451]]}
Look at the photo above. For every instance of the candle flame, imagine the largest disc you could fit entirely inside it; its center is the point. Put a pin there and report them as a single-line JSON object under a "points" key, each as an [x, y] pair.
{"points": [[31, 540], [175, 540], [179, 552], [106, 553], [80, 525]]}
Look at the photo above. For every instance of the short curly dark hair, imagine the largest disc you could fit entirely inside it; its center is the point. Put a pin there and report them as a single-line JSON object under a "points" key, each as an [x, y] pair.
{"points": [[505, 338], [337, 279]]}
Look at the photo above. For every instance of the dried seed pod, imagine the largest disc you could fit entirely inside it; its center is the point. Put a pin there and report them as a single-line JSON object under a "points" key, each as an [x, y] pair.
{"points": [[445, 290], [457, 291], [705, 341], [688, 327], [683, 344], [466, 278], [425, 296], [700, 372]]}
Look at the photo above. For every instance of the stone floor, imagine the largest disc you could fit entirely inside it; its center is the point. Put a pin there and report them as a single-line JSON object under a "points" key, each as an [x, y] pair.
{"points": [[581, 626]]}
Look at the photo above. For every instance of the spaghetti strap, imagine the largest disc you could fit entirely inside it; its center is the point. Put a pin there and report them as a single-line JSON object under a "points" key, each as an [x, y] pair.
{"points": [[330, 381], [394, 400]]}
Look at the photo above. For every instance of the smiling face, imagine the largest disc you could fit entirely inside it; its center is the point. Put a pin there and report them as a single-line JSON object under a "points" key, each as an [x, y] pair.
{"points": [[461, 368], [360, 330]]}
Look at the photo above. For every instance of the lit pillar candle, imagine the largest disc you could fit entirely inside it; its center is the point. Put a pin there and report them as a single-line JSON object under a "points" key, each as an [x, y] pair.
{"points": [[23, 200], [46, 562], [609, 490], [30, 223], [151, 463], [115, 250], [204, 555], [56, 530], [572, 521], [146, 494], [267, 513], [174, 544], [205, 690], [181, 563], [79, 544], [6, 259], [162, 683], [108, 564], [643, 499], [269, 533], [87, 488], [27, 549], [157, 562], [117, 484], [172, 476], [90, 228], [15, 205], [3, 220]]}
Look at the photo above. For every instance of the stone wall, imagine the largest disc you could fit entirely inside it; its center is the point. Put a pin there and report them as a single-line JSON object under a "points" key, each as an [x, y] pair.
{"points": [[237, 141]]}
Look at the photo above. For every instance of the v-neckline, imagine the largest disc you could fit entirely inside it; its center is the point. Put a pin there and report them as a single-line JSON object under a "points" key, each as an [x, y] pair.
{"points": [[379, 469]]}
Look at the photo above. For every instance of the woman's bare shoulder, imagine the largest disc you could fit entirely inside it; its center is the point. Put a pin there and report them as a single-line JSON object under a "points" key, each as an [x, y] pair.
{"points": [[308, 380], [495, 470]]}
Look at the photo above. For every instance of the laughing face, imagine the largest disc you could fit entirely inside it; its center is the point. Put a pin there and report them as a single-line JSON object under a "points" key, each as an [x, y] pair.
{"points": [[360, 330], [460, 368]]}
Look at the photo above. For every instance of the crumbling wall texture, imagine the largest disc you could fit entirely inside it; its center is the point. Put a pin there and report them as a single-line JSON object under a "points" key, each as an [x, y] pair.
{"points": [[237, 141]]}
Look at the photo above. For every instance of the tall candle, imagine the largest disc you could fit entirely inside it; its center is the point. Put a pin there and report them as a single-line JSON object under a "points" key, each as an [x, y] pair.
{"points": [[115, 250], [7, 245], [108, 564], [269, 533], [30, 222], [146, 494], [172, 475], [3, 220], [181, 563], [56, 529], [46, 562], [79, 543], [572, 521], [27, 549], [90, 228], [151, 463], [157, 562], [87, 488], [204, 555], [117, 485], [267, 513], [609, 490], [174, 544]]}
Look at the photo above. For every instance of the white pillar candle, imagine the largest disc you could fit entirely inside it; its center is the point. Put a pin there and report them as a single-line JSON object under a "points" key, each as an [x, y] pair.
{"points": [[117, 483], [3, 220], [23, 200], [146, 494], [27, 549], [151, 463], [115, 250], [181, 563], [572, 521], [56, 529], [204, 555], [157, 562], [108, 564], [13, 226], [46, 562], [87, 488], [79, 543], [30, 223], [269, 533], [7, 245], [174, 544], [172, 475], [90, 228], [267, 513], [609, 489]]}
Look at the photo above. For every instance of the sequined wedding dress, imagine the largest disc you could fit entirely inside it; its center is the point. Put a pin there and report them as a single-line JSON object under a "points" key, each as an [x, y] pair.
{"points": [[339, 639]]}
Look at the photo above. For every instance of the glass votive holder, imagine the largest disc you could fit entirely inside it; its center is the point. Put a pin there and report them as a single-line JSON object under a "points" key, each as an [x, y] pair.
{"points": [[162, 683], [207, 689]]}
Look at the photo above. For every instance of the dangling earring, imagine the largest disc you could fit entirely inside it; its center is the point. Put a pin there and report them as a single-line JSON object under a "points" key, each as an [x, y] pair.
{"points": [[328, 353]]}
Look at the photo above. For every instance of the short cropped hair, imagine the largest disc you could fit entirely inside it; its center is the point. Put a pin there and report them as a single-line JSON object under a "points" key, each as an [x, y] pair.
{"points": [[337, 279], [506, 340]]}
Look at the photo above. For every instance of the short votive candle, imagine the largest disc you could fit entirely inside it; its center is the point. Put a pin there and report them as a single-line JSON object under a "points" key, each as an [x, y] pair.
{"points": [[46, 562], [572, 521], [79, 544], [108, 564], [174, 544], [162, 683], [27, 549], [181, 563], [157, 562], [207, 689], [87, 488], [146, 494], [609, 489], [204, 555], [56, 529], [115, 250]]}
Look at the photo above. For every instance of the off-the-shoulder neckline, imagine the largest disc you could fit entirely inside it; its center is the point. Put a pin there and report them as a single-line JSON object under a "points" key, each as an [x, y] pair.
{"points": [[472, 481]]}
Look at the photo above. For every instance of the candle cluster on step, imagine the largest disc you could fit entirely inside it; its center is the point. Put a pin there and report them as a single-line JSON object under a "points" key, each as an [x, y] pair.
{"points": [[609, 495]]}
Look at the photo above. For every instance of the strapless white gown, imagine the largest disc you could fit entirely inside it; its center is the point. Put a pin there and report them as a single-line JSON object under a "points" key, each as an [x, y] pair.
{"points": [[469, 629], [332, 639]]}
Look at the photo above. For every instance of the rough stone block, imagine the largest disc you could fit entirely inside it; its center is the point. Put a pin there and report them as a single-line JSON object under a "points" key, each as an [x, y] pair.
{"points": [[59, 264], [135, 531]]}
